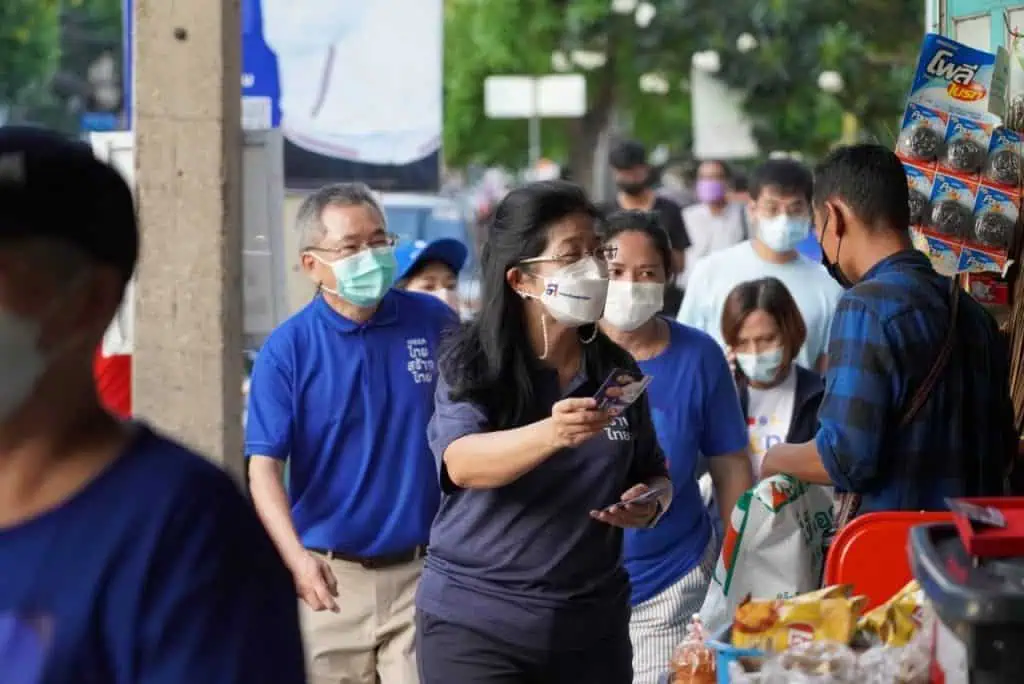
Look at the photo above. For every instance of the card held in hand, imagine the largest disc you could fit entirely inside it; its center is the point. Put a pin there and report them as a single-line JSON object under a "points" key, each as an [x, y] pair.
{"points": [[629, 385]]}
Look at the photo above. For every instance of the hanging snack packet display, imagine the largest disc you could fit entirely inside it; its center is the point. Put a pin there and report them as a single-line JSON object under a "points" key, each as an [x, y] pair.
{"points": [[963, 167]]}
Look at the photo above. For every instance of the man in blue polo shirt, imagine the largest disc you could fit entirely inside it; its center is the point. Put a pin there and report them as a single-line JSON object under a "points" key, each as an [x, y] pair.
{"points": [[343, 391]]}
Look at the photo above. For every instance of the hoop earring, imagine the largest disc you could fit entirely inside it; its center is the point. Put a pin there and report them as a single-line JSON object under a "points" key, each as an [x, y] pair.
{"points": [[544, 334], [593, 336]]}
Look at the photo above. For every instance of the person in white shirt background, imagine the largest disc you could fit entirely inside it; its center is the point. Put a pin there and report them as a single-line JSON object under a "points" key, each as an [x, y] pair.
{"points": [[356, 77], [764, 330], [717, 221], [780, 219]]}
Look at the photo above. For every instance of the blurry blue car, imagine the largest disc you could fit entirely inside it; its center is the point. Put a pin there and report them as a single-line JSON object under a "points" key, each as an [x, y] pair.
{"points": [[432, 217]]}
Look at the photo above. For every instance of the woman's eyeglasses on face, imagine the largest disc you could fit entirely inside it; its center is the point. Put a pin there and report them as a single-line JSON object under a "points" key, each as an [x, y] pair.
{"points": [[602, 254]]}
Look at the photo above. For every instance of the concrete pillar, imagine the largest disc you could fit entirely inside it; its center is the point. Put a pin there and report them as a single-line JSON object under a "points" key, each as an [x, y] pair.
{"points": [[188, 330]]}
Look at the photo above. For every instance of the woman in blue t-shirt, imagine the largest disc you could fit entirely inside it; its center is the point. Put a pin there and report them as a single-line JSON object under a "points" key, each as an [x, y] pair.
{"points": [[695, 411]]}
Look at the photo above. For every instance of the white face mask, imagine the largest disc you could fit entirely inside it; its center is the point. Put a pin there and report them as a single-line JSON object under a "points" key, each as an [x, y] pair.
{"points": [[22, 364], [631, 304], [783, 233], [762, 367], [574, 295], [449, 297]]}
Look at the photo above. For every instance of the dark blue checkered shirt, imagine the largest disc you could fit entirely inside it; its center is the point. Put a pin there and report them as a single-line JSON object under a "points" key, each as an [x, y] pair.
{"points": [[885, 338]]}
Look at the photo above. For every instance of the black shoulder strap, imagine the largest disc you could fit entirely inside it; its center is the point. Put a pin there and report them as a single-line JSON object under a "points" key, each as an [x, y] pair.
{"points": [[847, 504], [924, 390]]}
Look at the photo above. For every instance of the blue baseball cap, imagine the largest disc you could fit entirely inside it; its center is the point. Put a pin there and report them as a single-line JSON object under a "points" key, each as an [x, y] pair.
{"points": [[448, 251]]}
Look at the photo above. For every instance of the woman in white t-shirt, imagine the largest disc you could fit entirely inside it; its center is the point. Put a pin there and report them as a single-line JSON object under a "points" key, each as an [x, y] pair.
{"points": [[762, 325]]}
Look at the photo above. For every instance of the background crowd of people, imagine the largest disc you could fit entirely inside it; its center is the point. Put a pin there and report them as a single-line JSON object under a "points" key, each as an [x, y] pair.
{"points": [[473, 502]]}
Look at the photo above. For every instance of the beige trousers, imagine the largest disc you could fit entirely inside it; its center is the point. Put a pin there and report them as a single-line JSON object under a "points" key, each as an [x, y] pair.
{"points": [[372, 636]]}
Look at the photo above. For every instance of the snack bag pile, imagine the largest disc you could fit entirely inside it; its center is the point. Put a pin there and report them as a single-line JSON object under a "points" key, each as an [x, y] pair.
{"points": [[895, 622], [963, 167], [829, 614], [821, 638]]}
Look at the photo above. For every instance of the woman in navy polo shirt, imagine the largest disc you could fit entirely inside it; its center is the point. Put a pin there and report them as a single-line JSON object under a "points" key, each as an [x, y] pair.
{"points": [[524, 579], [695, 411]]}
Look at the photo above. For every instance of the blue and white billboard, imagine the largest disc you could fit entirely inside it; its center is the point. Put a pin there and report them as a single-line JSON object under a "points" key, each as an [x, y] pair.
{"points": [[355, 86]]}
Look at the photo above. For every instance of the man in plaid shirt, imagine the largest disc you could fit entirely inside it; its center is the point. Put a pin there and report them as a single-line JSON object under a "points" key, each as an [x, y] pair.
{"points": [[888, 330]]}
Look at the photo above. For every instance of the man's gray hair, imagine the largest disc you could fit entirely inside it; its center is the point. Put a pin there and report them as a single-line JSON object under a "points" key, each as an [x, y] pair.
{"points": [[309, 221]]}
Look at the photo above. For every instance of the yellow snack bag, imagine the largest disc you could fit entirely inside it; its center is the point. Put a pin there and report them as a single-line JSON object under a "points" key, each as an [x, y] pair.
{"points": [[774, 626], [859, 603], [895, 622]]}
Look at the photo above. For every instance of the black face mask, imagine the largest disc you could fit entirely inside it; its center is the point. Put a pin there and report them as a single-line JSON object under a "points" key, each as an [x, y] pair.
{"points": [[833, 268], [632, 189]]}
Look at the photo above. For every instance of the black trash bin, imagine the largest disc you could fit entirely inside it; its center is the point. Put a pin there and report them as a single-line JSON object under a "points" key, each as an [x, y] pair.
{"points": [[979, 604]]}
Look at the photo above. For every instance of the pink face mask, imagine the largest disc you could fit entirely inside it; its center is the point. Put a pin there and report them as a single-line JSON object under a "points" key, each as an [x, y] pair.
{"points": [[710, 190]]}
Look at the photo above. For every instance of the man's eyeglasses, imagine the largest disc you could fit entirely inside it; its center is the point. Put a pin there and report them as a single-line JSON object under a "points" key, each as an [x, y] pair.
{"points": [[350, 249]]}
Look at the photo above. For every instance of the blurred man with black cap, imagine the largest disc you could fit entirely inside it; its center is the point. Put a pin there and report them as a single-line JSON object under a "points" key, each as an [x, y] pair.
{"points": [[632, 174], [124, 557]]}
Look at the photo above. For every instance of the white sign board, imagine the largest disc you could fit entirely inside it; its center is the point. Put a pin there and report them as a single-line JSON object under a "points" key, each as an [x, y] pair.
{"points": [[975, 32], [525, 97], [721, 129], [264, 260]]}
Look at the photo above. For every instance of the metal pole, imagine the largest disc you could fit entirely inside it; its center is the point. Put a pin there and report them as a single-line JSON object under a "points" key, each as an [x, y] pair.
{"points": [[534, 134], [929, 16], [534, 141]]}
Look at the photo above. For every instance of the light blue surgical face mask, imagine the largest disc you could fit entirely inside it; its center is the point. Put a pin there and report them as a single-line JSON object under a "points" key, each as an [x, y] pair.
{"points": [[783, 233], [364, 277], [763, 367]]}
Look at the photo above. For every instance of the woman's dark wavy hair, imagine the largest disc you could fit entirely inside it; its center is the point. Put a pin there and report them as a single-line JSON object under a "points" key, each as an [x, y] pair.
{"points": [[489, 361]]}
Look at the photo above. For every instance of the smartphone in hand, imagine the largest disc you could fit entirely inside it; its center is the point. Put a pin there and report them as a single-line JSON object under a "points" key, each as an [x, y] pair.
{"points": [[649, 496]]}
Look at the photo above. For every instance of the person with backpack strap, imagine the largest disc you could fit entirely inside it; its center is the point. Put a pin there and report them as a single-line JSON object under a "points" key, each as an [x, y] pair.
{"points": [[917, 406]]}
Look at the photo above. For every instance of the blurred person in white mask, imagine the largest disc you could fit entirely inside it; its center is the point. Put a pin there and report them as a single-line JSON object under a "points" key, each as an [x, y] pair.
{"points": [[779, 209], [695, 410], [354, 84], [432, 268], [716, 221]]}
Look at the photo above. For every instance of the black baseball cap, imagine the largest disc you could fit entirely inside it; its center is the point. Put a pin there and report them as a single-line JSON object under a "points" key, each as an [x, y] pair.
{"points": [[627, 154], [54, 187]]}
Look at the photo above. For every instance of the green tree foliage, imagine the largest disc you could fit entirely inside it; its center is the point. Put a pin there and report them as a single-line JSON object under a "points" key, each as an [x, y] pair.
{"points": [[87, 30], [872, 43], [484, 37], [29, 47]]}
